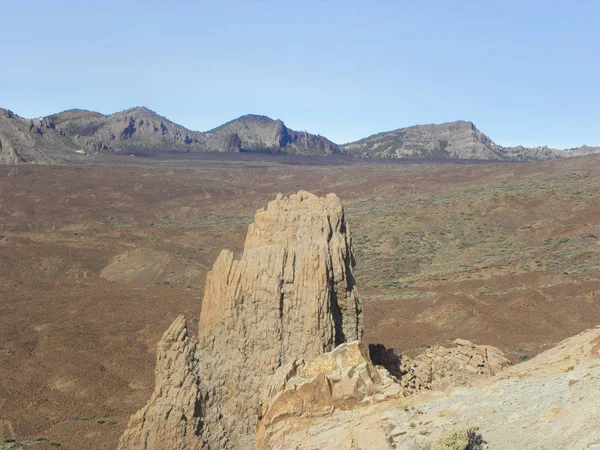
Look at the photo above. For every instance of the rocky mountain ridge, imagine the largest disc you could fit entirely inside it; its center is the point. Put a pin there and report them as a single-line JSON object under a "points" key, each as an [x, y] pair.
{"points": [[70, 135], [452, 140]]}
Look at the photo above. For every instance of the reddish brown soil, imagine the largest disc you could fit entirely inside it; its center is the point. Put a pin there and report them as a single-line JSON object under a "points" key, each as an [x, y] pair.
{"points": [[75, 344]]}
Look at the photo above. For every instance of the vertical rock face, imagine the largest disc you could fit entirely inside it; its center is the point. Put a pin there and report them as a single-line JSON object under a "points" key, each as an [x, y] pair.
{"points": [[170, 420], [291, 295]]}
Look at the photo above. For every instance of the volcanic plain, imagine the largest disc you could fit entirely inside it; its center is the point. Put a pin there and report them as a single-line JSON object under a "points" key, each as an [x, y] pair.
{"points": [[97, 260]]}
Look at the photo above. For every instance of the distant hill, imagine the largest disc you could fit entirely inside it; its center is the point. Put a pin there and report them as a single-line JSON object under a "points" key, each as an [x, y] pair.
{"points": [[260, 133], [132, 129], [32, 140], [583, 150], [452, 140], [69, 135], [142, 129]]}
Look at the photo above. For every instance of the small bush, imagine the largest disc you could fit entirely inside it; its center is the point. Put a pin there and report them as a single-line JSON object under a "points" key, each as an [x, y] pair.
{"points": [[55, 444], [460, 439]]}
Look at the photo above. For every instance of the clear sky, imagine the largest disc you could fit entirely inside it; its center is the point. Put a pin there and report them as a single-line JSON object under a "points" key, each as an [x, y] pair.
{"points": [[525, 72]]}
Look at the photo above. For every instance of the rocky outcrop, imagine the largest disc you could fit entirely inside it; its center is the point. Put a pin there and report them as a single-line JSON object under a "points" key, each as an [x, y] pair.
{"points": [[171, 419], [548, 402], [8, 155], [232, 143], [301, 400], [343, 379], [290, 296], [439, 367]]}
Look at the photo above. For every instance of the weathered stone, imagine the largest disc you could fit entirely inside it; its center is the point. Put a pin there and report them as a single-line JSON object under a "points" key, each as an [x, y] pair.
{"points": [[549, 401], [343, 379], [441, 367], [291, 295], [171, 419]]}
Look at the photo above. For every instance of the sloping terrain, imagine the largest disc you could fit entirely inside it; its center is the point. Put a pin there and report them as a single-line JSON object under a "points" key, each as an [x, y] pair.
{"points": [[33, 140], [70, 135], [502, 254], [452, 140], [136, 128], [140, 129], [583, 150]]}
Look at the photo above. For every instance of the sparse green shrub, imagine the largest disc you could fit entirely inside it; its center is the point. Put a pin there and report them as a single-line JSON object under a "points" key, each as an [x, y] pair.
{"points": [[101, 421], [467, 438], [55, 444]]}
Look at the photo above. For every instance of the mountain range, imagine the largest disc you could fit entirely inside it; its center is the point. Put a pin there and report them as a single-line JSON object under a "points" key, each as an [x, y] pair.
{"points": [[73, 134]]}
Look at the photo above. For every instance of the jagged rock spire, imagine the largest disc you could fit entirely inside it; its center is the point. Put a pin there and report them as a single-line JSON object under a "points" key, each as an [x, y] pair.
{"points": [[291, 295]]}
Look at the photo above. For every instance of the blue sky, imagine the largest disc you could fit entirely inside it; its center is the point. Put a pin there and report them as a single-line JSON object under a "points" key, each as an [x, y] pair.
{"points": [[525, 72]]}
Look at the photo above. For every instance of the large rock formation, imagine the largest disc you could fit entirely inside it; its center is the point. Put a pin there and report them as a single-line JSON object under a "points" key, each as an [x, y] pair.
{"points": [[290, 296]]}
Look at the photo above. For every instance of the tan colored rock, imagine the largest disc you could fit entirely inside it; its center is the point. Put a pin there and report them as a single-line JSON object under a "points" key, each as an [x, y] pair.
{"points": [[441, 367], [344, 379], [170, 420], [290, 296], [549, 402]]}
